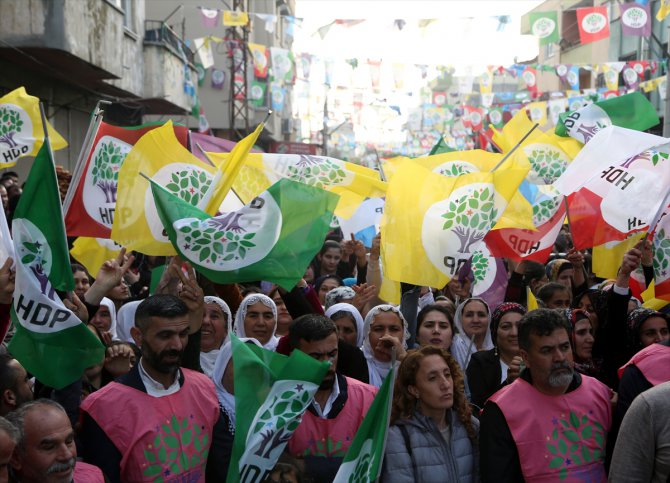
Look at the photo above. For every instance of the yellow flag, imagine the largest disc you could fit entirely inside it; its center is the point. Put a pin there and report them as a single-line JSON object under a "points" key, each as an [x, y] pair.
{"points": [[607, 258], [234, 18], [663, 10], [547, 156], [232, 166], [352, 182], [391, 165], [432, 224], [93, 252], [21, 132], [538, 112], [390, 291], [650, 300], [531, 301], [159, 155], [519, 212]]}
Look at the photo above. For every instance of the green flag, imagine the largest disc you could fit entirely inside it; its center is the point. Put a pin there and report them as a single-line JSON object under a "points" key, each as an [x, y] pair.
{"points": [[632, 111], [544, 25], [440, 147], [272, 392], [50, 341], [363, 461], [274, 237]]}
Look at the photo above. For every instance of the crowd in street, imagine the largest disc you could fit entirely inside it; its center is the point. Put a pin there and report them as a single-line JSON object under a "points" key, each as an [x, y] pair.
{"points": [[575, 390]]}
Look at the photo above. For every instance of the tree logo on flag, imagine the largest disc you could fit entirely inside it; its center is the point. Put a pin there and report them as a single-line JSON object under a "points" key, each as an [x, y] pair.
{"points": [[232, 240], [106, 165], [634, 17], [452, 169], [16, 133], [317, 171], [363, 461], [34, 253], [544, 210], [661, 252], [274, 423], [594, 22], [101, 179], [651, 155], [547, 162], [480, 265], [187, 181], [470, 217], [543, 27]]}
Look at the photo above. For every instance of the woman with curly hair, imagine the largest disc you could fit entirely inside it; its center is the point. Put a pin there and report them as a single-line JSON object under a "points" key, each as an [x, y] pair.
{"points": [[433, 435]]}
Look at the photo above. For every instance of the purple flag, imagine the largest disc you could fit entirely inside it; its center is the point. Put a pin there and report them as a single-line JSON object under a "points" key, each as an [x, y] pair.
{"points": [[209, 17], [630, 77], [218, 78], [211, 144], [635, 19]]}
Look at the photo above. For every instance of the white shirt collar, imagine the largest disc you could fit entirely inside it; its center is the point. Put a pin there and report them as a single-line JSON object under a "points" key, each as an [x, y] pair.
{"points": [[334, 393], [155, 388]]}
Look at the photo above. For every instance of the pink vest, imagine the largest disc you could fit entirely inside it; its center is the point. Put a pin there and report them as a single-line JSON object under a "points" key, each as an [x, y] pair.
{"points": [[164, 438], [85, 473], [331, 437], [559, 438], [653, 362]]}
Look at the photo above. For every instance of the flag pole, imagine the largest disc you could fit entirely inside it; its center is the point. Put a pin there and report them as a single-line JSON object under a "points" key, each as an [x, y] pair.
{"points": [[91, 133], [515, 147], [382, 175], [567, 214], [52, 161], [212, 163], [657, 217]]}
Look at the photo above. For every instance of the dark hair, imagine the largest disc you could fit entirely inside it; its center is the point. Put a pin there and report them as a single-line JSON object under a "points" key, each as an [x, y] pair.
{"points": [[8, 374], [541, 322], [161, 305], [9, 174], [340, 314], [319, 281], [533, 271], [18, 416], [79, 268], [435, 308], [310, 327], [547, 291], [328, 244]]}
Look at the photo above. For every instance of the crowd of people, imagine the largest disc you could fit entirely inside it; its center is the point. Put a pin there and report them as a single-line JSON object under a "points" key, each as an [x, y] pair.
{"points": [[575, 390]]}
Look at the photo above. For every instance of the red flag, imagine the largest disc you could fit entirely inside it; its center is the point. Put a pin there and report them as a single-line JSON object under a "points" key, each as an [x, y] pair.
{"points": [[593, 24], [475, 117], [529, 76], [519, 244], [91, 212], [639, 67]]}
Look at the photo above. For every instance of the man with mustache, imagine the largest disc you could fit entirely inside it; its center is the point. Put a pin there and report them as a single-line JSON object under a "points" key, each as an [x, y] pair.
{"points": [[45, 451], [339, 405], [551, 423], [157, 420]]}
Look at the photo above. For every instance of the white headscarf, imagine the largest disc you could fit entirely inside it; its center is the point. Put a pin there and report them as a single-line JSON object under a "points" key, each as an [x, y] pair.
{"points": [[112, 314], [462, 346], [207, 359], [125, 320], [226, 400], [242, 313], [355, 314], [378, 370]]}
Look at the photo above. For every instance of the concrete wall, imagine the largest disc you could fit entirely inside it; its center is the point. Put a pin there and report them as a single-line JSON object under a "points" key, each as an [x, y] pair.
{"points": [[216, 102], [164, 75]]}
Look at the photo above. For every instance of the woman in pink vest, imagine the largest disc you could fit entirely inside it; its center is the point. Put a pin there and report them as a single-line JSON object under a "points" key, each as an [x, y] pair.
{"points": [[433, 436]]}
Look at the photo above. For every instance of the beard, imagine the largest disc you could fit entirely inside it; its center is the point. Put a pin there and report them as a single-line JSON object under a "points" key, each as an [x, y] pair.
{"points": [[561, 374], [328, 382], [157, 359]]}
